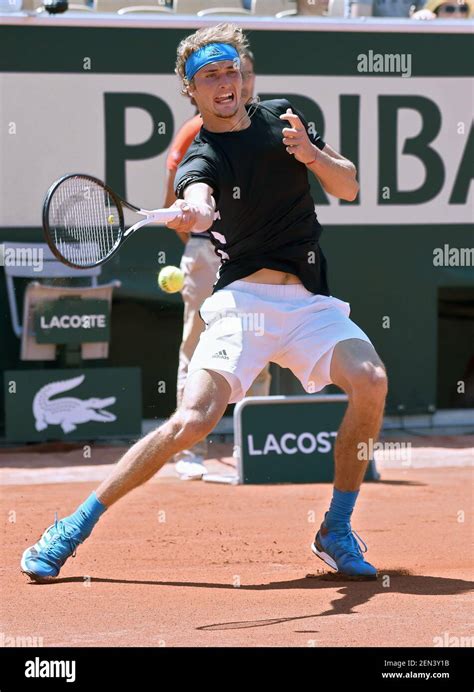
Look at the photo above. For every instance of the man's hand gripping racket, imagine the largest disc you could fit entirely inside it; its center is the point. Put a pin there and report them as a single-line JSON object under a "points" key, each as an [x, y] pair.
{"points": [[83, 220]]}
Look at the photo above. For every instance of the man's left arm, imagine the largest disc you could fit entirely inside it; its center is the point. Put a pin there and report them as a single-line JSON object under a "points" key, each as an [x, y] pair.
{"points": [[336, 174]]}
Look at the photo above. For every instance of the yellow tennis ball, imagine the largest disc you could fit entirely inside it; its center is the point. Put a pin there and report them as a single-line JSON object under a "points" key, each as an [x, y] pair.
{"points": [[171, 279], [111, 218]]}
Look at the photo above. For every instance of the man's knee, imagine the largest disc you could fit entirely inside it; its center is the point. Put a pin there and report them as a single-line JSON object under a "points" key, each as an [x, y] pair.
{"points": [[368, 379], [191, 425]]}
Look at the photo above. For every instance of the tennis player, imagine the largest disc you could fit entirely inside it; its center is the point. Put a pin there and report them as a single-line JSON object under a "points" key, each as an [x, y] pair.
{"points": [[252, 164], [199, 265]]}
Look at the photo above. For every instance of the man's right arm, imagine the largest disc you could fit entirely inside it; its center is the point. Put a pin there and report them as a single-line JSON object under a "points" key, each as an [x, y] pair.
{"points": [[197, 209], [170, 198]]}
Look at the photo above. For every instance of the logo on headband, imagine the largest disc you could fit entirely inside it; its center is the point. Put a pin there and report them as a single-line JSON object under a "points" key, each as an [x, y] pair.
{"points": [[214, 52]]}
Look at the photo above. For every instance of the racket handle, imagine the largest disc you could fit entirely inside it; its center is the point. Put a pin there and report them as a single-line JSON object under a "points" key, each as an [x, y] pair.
{"points": [[162, 215]]}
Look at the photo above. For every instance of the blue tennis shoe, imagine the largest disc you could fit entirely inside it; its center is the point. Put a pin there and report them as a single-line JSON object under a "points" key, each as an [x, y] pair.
{"points": [[43, 561], [341, 549]]}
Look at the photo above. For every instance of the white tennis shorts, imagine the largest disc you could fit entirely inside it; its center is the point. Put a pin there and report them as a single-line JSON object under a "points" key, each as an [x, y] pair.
{"points": [[249, 324]]}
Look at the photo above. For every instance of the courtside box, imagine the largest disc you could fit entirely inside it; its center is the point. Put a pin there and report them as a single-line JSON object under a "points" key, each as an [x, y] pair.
{"points": [[289, 439]]}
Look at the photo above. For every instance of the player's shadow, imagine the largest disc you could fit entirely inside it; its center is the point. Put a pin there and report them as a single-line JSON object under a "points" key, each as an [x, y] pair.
{"points": [[351, 594]]}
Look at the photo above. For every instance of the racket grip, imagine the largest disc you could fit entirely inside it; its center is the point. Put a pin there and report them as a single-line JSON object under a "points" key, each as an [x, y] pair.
{"points": [[163, 215]]}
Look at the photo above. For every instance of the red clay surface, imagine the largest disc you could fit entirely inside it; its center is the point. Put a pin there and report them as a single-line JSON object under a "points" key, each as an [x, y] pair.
{"points": [[198, 564]]}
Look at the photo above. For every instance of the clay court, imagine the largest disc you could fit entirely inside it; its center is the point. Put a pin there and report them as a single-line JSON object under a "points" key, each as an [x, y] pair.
{"points": [[202, 564]]}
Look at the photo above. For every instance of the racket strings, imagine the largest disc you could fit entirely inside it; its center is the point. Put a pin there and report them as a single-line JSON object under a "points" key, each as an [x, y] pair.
{"points": [[84, 221]]}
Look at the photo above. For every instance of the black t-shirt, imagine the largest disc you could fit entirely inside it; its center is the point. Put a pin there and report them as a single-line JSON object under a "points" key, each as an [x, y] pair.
{"points": [[267, 217]]}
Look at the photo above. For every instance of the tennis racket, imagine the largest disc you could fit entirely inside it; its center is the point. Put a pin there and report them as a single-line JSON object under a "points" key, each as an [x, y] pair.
{"points": [[83, 220]]}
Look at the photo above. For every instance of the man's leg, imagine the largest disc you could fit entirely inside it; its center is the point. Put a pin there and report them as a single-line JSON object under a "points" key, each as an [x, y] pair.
{"points": [[205, 399], [199, 265], [204, 402], [357, 369]]}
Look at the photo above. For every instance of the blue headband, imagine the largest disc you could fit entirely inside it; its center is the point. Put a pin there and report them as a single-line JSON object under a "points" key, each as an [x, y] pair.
{"points": [[213, 52]]}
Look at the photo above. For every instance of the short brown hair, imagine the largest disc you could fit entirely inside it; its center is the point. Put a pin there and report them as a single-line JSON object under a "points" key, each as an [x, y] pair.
{"points": [[221, 33]]}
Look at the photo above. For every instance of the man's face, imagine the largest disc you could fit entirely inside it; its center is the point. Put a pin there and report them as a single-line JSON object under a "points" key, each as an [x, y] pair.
{"points": [[217, 89], [248, 79]]}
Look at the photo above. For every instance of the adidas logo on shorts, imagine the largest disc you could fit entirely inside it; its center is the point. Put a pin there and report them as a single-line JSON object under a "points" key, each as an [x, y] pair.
{"points": [[221, 354]]}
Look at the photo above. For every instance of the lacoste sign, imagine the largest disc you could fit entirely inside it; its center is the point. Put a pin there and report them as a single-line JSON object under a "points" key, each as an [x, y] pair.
{"points": [[289, 439], [72, 404], [72, 320], [290, 443]]}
